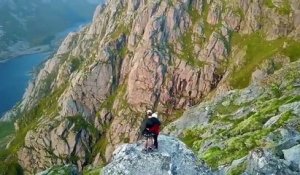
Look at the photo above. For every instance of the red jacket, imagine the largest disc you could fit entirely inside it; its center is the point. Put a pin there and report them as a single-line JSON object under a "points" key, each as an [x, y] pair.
{"points": [[155, 129]]}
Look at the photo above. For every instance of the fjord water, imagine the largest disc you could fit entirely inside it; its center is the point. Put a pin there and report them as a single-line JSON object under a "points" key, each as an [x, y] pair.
{"points": [[15, 73], [14, 76]]}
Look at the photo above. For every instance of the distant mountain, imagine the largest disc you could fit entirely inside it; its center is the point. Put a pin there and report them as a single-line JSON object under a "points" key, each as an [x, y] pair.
{"points": [[26, 24]]}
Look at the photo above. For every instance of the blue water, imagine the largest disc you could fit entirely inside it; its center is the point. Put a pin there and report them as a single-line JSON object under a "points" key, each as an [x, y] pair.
{"points": [[14, 77], [16, 73]]}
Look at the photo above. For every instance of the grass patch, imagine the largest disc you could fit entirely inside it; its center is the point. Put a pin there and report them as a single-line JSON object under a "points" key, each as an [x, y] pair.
{"points": [[269, 3], [10, 167], [187, 52], [6, 128], [122, 29], [235, 148], [94, 171], [80, 124], [194, 14], [109, 102], [221, 109], [257, 51], [75, 63], [243, 136], [100, 147], [123, 52], [292, 50], [212, 154], [192, 135], [238, 170], [285, 9]]}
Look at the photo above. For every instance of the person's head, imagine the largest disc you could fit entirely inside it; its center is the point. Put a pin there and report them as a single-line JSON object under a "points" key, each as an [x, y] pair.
{"points": [[149, 113], [154, 115]]}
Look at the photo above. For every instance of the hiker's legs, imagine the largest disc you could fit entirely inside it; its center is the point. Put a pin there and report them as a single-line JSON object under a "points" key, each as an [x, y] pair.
{"points": [[155, 141], [151, 142], [147, 143]]}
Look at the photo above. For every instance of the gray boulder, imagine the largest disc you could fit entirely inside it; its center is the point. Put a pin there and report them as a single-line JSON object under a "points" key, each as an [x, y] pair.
{"points": [[261, 161], [292, 155], [172, 158]]}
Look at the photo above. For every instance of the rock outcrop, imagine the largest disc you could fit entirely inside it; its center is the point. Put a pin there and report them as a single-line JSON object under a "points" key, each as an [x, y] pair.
{"points": [[264, 162], [172, 157]]}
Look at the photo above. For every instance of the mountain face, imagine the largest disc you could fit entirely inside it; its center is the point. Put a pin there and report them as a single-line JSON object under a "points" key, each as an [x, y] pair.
{"points": [[168, 56], [24, 25], [253, 130]]}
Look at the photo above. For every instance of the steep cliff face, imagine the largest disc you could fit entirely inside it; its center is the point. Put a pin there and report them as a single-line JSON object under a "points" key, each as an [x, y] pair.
{"points": [[138, 55]]}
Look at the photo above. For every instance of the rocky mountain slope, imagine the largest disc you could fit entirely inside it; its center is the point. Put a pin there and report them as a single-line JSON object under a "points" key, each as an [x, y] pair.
{"points": [[256, 129], [166, 56], [25, 24]]}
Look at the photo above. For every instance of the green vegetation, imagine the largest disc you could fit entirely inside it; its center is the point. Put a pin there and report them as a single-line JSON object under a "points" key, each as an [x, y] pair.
{"points": [[258, 50], [62, 169], [80, 124], [93, 171], [100, 147], [122, 29], [171, 2], [187, 52], [231, 108], [176, 114], [10, 167], [292, 50], [6, 129], [284, 9], [234, 138], [47, 83], [194, 14], [123, 52], [275, 89], [192, 135], [238, 170], [188, 48], [108, 103], [28, 121], [75, 64], [269, 4]]}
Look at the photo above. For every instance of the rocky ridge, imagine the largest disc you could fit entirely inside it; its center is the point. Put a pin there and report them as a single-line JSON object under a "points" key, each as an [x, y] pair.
{"points": [[138, 55]]}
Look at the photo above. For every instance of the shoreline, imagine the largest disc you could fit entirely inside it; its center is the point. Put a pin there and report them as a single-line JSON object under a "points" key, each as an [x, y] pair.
{"points": [[29, 51], [49, 47], [11, 112]]}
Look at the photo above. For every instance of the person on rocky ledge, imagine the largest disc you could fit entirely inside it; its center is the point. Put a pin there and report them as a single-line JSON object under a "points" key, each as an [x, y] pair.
{"points": [[151, 131]]}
